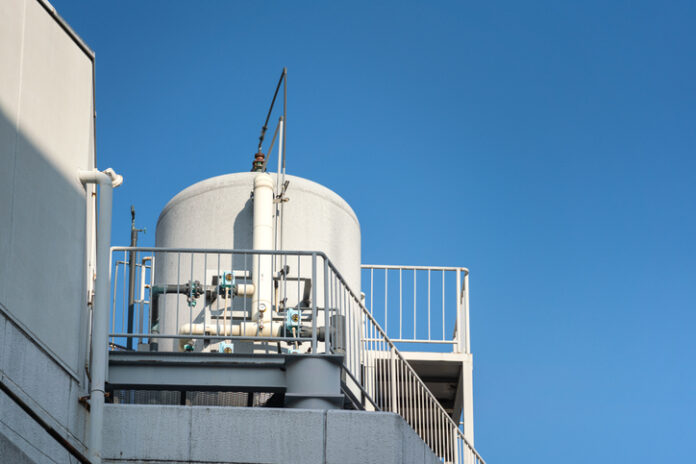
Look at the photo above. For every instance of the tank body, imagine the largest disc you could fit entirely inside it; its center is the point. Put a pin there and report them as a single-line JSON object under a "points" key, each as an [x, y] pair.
{"points": [[217, 213]]}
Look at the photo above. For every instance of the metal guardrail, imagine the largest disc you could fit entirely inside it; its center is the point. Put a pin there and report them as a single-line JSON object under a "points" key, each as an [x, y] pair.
{"points": [[181, 298], [420, 304], [387, 381], [331, 318]]}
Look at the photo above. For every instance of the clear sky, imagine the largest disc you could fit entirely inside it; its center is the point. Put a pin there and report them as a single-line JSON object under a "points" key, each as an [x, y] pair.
{"points": [[548, 146]]}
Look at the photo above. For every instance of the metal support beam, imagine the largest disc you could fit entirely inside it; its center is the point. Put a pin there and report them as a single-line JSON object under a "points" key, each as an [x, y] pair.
{"points": [[308, 381]]}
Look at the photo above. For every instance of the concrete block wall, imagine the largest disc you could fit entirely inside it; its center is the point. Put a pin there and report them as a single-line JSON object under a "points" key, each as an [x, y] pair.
{"points": [[46, 136], [158, 434], [48, 389]]}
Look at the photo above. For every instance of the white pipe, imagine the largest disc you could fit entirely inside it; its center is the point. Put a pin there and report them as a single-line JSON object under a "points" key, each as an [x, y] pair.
{"points": [[280, 153], [243, 329], [262, 240], [244, 289], [107, 180]]}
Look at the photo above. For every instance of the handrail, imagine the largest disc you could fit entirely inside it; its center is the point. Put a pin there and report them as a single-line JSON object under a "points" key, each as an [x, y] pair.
{"points": [[385, 339], [419, 304]]}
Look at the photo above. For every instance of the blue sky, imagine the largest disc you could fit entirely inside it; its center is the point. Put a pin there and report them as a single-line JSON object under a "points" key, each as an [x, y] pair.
{"points": [[548, 146]]}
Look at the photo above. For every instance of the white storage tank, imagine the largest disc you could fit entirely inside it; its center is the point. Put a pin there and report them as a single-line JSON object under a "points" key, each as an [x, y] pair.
{"points": [[218, 213]]}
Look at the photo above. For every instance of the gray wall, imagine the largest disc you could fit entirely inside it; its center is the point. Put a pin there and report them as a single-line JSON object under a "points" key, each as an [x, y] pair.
{"points": [[46, 135], [158, 434]]}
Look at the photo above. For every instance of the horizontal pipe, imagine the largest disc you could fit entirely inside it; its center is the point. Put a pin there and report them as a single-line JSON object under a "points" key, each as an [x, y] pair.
{"points": [[214, 337], [244, 289], [245, 329]]}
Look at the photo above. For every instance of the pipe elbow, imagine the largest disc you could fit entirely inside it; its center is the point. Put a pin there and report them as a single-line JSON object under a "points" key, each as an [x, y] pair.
{"points": [[94, 176], [116, 179], [263, 180]]}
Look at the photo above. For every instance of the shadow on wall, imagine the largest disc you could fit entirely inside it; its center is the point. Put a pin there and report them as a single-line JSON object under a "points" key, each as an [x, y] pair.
{"points": [[245, 218], [42, 245], [11, 453]]}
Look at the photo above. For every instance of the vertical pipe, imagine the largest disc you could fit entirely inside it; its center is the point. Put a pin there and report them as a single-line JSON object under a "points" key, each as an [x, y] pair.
{"points": [[280, 155], [131, 279], [141, 304], [262, 240], [281, 172], [100, 313]]}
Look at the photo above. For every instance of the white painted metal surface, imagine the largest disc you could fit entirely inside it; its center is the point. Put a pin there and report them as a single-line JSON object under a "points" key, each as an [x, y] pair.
{"points": [[425, 311], [262, 240], [218, 213], [107, 180]]}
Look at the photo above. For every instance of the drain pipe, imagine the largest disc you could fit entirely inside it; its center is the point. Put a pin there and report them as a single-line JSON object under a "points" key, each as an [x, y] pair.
{"points": [[262, 240], [107, 180]]}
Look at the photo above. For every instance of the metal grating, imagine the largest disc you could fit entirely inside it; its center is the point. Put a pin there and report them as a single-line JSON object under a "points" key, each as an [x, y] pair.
{"points": [[192, 398]]}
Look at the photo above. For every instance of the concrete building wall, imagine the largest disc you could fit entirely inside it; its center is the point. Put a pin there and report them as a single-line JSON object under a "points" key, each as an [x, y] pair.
{"points": [[46, 136], [158, 434]]}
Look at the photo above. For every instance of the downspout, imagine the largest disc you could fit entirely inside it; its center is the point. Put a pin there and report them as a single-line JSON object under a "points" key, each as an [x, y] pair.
{"points": [[262, 240], [107, 180]]}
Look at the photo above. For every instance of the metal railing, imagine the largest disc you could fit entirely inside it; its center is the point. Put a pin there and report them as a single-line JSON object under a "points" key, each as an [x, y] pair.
{"points": [[385, 381], [179, 288], [182, 303], [420, 304]]}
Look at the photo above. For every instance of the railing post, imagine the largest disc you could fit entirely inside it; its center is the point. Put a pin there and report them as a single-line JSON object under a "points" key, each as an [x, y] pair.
{"points": [[455, 444], [314, 302], [460, 329], [467, 343], [392, 378], [327, 313]]}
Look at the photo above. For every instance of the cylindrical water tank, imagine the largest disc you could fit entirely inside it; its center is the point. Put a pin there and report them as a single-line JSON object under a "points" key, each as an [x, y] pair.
{"points": [[217, 213]]}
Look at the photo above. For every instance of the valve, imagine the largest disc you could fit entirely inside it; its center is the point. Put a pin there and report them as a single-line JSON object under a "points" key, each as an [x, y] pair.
{"points": [[226, 347], [227, 280], [195, 289], [292, 319]]}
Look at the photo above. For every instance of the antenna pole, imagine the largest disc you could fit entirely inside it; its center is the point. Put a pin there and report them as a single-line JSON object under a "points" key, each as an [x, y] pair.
{"points": [[259, 156], [131, 277]]}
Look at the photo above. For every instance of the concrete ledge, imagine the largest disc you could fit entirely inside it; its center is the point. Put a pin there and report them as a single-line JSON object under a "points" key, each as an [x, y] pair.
{"points": [[373, 437], [135, 433], [198, 434]]}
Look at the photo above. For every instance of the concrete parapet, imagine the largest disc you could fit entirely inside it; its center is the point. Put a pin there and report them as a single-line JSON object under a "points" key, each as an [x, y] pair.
{"points": [[154, 433]]}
